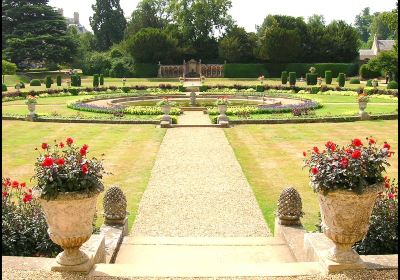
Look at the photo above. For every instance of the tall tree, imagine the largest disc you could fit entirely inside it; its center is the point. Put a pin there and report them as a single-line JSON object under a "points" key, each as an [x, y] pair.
{"points": [[316, 46], [237, 45], [35, 33], [148, 14], [382, 27], [108, 23], [363, 22]]}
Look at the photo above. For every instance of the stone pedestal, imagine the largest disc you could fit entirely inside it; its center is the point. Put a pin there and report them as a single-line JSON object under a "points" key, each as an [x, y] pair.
{"points": [[364, 115], [192, 98]]}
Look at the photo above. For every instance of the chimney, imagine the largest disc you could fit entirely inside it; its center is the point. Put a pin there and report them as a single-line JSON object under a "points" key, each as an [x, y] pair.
{"points": [[76, 17]]}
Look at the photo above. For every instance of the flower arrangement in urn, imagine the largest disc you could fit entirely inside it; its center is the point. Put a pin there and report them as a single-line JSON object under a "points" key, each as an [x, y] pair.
{"points": [[30, 99], [68, 183], [363, 98], [222, 101], [348, 180], [165, 102], [261, 79]]}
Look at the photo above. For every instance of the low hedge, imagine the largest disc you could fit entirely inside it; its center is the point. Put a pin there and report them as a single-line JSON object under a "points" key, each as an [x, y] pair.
{"points": [[245, 70], [275, 69], [354, 81], [145, 70], [260, 88], [4, 87], [203, 88], [35, 83]]}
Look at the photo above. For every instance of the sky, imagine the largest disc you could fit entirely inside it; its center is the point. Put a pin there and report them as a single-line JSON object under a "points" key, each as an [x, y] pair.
{"points": [[249, 13]]}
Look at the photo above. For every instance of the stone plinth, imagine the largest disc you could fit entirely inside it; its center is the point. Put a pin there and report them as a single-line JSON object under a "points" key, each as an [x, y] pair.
{"points": [[114, 234]]}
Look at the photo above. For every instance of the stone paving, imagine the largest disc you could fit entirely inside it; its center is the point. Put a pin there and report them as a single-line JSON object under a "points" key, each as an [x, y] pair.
{"points": [[197, 188], [193, 118]]}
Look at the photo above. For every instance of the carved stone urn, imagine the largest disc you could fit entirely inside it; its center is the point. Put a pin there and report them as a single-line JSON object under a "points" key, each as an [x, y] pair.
{"points": [[31, 108], [345, 220], [222, 113], [166, 109], [70, 217], [362, 105]]}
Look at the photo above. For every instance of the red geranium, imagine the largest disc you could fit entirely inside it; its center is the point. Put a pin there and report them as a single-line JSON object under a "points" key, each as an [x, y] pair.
{"points": [[61, 145], [304, 154], [69, 141], [27, 198], [356, 154], [357, 142], [48, 162], [344, 162], [372, 141], [386, 145], [82, 151], [60, 161], [4, 194], [85, 146], [14, 184], [316, 150], [314, 170], [331, 146], [23, 185], [85, 169], [45, 146]]}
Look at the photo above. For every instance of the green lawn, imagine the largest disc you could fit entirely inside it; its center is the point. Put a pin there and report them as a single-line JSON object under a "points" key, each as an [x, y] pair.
{"points": [[129, 150], [87, 81], [271, 157]]}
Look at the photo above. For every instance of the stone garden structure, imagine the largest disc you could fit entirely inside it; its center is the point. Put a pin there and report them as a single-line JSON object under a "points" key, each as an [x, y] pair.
{"points": [[191, 68]]}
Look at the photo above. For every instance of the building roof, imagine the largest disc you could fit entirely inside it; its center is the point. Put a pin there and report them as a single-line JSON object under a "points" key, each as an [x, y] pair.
{"points": [[367, 52], [385, 45]]}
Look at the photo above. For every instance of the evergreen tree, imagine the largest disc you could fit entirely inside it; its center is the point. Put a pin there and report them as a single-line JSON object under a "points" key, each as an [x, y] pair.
{"points": [[108, 23], [35, 33]]}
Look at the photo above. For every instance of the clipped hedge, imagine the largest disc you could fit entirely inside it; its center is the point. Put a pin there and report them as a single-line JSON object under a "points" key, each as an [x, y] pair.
{"points": [[341, 79], [260, 88], [58, 80], [245, 70], [4, 87], [95, 80], [314, 90], [392, 85], [74, 80], [48, 82], [284, 77], [35, 83], [275, 69], [101, 79], [292, 78], [79, 80], [354, 81], [145, 70], [73, 91], [203, 88], [311, 78], [181, 88], [328, 77], [366, 73]]}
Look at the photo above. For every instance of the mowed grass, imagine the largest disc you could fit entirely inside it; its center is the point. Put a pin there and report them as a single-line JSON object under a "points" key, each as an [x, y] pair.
{"points": [[271, 158], [129, 153]]}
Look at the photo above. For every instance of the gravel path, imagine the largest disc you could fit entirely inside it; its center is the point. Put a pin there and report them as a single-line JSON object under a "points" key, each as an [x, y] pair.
{"points": [[194, 118], [197, 188]]}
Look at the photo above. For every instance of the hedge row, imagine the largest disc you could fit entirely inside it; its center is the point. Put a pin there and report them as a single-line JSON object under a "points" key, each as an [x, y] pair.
{"points": [[274, 70], [145, 70]]}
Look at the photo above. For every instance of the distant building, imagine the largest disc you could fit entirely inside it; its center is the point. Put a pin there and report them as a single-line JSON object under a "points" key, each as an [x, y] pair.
{"points": [[377, 47], [73, 21]]}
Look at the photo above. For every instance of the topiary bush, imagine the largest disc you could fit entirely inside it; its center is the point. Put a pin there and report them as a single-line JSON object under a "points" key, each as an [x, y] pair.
{"points": [[292, 78], [24, 227], [382, 237], [328, 77], [284, 77], [48, 82], [314, 90], [341, 79], [260, 88], [4, 88], [35, 83], [126, 89], [369, 83], [181, 88], [78, 80], [311, 78], [95, 80], [73, 91], [74, 80], [203, 88], [366, 73], [392, 85], [101, 79], [58, 79], [354, 81]]}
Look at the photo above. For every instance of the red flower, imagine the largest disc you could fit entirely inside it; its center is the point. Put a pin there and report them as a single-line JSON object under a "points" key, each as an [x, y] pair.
{"points": [[331, 146], [45, 146], [316, 150], [27, 198], [387, 185], [4, 194], [47, 162], [349, 151], [390, 196], [14, 184], [386, 146], [82, 151], [85, 146], [356, 154], [344, 162], [84, 169], [314, 170], [30, 191], [372, 141], [70, 141], [304, 154], [357, 142], [23, 185], [61, 145], [60, 161]]}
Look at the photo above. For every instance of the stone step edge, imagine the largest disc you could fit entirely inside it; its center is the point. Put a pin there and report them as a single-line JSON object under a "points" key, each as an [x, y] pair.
{"points": [[100, 271], [203, 241], [196, 125]]}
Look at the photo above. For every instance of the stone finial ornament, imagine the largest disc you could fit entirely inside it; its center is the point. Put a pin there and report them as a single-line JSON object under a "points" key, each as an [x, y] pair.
{"points": [[289, 207], [114, 205]]}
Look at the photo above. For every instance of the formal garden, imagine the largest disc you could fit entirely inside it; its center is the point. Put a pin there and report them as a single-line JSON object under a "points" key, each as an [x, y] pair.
{"points": [[154, 142]]}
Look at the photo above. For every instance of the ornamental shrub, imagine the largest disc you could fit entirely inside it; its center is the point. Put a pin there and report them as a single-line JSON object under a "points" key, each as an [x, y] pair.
{"points": [[311, 78], [35, 83], [354, 81], [369, 83], [4, 87], [392, 85], [341, 79], [181, 88], [73, 91], [203, 88], [78, 80], [382, 236], [245, 70], [328, 77], [58, 78], [292, 78], [95, 80], [101, 79], [314, 90], [48, 82], [74, 80], [260, 88], [366, 73], [24, 227], [21, 85], [284, 77], [126, 89]]}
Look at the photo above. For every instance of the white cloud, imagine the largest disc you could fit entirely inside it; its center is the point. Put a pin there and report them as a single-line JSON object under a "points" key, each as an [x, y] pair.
{"points": [[249, 13]]}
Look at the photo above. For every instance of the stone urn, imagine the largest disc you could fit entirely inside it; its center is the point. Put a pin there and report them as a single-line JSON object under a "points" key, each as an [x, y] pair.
{"points": [[362, 105], [166, 117], [70, 217], [345, 220], [31, 108], [374, 83], [222, 114]]}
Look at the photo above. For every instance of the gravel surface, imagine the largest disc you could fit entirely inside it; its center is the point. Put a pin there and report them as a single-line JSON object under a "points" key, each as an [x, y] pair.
{"points": [[197, 188], [361, 275], [193, 118]]}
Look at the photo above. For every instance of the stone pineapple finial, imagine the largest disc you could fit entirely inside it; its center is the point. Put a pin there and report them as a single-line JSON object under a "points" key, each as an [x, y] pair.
{"points": [[114, 205], [289, 207]]}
